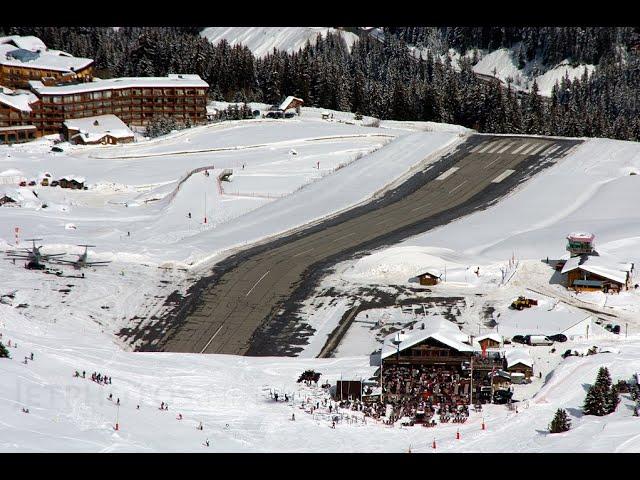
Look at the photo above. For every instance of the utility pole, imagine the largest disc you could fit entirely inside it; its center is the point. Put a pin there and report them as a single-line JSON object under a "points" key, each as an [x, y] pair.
{"points": [[626, 330]]}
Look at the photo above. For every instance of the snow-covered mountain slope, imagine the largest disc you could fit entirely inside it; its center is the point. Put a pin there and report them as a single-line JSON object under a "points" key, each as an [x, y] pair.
{"points": [[262, 40], [502, 64]]}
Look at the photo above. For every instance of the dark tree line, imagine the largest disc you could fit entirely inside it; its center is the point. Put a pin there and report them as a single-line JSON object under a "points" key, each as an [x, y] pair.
{"points": [[384, 79]]}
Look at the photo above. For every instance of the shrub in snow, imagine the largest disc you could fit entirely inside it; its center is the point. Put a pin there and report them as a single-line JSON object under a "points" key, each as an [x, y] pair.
{"points": [[4, 353], [560, 423], [612, 400]]}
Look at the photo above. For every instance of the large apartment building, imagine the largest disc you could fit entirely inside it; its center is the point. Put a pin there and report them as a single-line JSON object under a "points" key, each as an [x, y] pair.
{"points": [[27, 58], [49, 100]]}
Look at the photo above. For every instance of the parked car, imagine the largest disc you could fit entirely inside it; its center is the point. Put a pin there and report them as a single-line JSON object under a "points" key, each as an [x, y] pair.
{"points": [[613, 328], [55, 183], [537, 340], [57, 149], [559, 337], [32, 183], [289, 115], [518, 339], [23, 183]]}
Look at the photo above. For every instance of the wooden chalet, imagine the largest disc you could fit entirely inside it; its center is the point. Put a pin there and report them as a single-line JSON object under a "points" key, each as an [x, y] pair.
{"points": [[105, 130], [589, 273], [489, 341], [519, 361], [6, 199], [429, 278], [291, 103]]}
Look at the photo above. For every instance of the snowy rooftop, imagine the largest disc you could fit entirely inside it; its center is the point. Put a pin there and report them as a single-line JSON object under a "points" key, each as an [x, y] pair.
{"points": [[287, 101], [55, 60], [193, 81], [18, 101], [94, 128], [490, 336], [440, 330], [605, 267], [537, 321], [581, 237], [518, 355]]}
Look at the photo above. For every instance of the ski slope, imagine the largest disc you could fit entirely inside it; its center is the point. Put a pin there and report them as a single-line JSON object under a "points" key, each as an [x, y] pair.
{"points": [[262, 40]]}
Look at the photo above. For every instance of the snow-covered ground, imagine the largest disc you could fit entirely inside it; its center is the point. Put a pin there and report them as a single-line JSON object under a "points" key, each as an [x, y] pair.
{"points": [[135, 211], [262, 40], [229, 395]]}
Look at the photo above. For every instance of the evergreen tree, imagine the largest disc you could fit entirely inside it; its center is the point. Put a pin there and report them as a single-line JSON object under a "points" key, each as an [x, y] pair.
{"points": [[595, 402], [560, 423], [603, 379], [4, 353], [612, 399]]}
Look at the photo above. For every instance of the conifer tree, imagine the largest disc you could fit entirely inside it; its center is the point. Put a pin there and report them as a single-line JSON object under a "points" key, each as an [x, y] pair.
{"points": [[4, 353], [560, 423], [595, 402]]}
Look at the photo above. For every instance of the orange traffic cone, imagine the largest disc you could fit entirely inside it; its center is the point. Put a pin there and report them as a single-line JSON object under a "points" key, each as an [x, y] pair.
{"points": [[457, 434], [434, 444]]}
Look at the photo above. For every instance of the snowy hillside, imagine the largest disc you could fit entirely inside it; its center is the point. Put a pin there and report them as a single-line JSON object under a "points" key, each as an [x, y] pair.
{"points": [[262, 40]]}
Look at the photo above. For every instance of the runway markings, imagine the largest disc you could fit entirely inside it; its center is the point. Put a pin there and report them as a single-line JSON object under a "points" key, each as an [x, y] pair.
{"points": [[539, 149], [420, 207], [502, 176], [352, 233], [448, 173], [504, 149], [492, 162], [524, 145], [490, 145], [256, 284], [302, 253], [551, 150], [497, 147], [456, 188], [530, 149], [211, 339]]}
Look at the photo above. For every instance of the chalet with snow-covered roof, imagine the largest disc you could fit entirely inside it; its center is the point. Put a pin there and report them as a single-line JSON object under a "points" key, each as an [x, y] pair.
{"points": [[103, 129], [73, 182], [589, 272], [440, 343], [25, 58], [490, 341], [291, 103], [430, 277], [518, 362]]}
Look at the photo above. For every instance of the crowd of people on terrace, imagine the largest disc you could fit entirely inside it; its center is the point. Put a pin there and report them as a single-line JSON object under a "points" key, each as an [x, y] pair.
{"points": [[422, 392]]}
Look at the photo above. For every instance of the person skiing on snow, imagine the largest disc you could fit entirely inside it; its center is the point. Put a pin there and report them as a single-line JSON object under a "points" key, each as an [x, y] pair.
{"points": [[293, 417], [111, 396], [162, 406], [179, 417], [118, 401], [31, 355]]}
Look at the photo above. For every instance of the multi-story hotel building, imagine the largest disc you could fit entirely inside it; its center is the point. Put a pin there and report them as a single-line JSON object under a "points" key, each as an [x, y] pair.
{"points": [[75, 94]]}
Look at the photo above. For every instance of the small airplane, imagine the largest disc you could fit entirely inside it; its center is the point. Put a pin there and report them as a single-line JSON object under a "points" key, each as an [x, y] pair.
{"points": [[33, 255], [82, 261]]}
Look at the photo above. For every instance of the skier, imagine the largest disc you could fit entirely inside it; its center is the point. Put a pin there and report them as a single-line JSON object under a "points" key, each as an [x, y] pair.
{"points": [[111, 397], [200, 427], [118, 401], [179, 417], [207, 442], [162, 406], [83, 374], [333, 424], [137, 407], [31, 355], [275, 395], [189, 214], [293, 417]]}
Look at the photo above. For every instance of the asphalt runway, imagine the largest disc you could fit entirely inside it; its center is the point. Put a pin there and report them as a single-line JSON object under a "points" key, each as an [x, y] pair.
{"points": [[247, 306]]}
